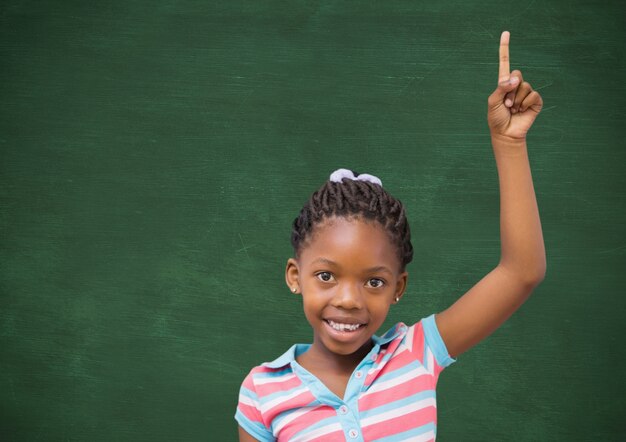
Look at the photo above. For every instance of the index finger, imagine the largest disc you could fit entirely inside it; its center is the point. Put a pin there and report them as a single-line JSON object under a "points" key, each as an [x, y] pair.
{"points": [[505, 69]]}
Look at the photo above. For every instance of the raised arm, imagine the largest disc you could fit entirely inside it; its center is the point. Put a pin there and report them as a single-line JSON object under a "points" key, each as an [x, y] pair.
{"points": [[512, 109]]}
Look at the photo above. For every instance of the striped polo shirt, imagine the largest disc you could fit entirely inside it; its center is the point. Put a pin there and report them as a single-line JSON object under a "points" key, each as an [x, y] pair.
{"points": [[389, 397]]}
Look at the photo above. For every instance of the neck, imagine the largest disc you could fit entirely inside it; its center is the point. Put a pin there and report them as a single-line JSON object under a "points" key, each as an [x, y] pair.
{"points": [[320, 356]]}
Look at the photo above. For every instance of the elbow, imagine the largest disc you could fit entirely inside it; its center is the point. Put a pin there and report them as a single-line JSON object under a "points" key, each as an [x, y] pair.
{"points": [[536, 276], [540, 272], [528, 276]]}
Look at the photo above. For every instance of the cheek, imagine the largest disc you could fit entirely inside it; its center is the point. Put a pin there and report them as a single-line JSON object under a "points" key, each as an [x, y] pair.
{"points": [[311, 308], [381, 307]]}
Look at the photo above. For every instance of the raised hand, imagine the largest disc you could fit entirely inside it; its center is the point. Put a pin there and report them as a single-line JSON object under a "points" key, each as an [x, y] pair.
{"points": [[514, 105]]}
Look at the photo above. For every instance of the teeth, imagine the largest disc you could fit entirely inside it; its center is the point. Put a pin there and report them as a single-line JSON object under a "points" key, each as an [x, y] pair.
{"points": [[343, 327]]}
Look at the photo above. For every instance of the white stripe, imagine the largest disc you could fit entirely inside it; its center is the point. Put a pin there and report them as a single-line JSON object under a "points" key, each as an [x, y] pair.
{"points": [[396, 412], [248, 401], [408, 338], [379, 386], [292, 416], [269, 405], [431, 361], [318, 432], [430, 435], [399, 350], [269, 380]]}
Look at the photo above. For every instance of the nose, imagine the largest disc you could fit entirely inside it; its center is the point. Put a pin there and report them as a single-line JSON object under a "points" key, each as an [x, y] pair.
{"points": [[348, 297]]}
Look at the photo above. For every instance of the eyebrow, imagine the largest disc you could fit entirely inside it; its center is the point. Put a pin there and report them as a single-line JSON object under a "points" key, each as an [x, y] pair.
{"points": [[371, 269]]}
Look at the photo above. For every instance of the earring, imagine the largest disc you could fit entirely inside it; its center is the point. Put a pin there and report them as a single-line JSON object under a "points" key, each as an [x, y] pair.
{"points": [[294, 289], [397, 299]]}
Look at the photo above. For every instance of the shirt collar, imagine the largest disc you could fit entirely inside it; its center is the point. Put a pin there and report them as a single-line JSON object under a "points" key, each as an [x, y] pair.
{"points": [[288, 357], [397, 330], [297, 349]]}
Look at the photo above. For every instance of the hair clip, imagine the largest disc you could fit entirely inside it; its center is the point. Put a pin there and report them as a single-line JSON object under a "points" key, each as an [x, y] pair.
{"points": [[338, 175]]}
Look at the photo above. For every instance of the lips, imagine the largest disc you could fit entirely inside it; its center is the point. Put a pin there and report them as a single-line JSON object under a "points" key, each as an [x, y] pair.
{"points": [[344, 328], [344, 320]]}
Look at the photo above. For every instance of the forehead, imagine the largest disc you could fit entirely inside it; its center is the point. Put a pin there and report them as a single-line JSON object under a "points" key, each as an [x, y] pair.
{"points": [[352, 241]]}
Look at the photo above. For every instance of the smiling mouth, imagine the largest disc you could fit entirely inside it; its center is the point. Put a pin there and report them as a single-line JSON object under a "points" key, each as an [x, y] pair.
{"points": [[344, 327]]}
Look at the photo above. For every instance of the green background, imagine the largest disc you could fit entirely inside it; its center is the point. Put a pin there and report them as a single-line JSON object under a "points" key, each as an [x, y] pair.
{"points": [[154, 155]]}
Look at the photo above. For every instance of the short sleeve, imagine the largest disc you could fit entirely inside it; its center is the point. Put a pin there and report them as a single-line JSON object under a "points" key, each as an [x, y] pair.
{"points": [[434, 342], [426, 343], [248, 413]]}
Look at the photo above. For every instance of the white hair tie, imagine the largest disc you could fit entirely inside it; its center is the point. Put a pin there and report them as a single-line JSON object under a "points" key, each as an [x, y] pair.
{"points": [[338, 175]]}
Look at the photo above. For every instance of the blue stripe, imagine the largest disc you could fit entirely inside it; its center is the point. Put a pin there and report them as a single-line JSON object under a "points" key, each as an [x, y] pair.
{"points": [[398, 372], [320, 424], [315, 386], [389, 336], [248, 393], [272, 374], [255, 429], [271, 397]]}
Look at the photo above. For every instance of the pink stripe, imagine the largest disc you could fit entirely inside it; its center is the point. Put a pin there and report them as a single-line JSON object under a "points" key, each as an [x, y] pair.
{"points": [[418, 341], [301, 400], [397, 362], [400, 424], [396, 393], [250, 412], [275, 387], [248, 382]]}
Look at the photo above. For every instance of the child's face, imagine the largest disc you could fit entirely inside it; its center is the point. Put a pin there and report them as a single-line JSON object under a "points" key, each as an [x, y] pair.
{"points": [[349, 275]]}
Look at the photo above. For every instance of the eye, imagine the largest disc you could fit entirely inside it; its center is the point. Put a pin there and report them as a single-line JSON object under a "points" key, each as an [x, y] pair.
{"points": [[376, 283], [324, 276]]}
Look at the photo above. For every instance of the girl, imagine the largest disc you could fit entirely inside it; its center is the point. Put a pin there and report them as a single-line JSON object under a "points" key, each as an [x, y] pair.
{"points": [[351, 246]]}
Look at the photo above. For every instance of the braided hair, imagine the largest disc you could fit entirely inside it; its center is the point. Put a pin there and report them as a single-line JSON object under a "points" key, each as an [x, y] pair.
{"points": [[353, 198]]}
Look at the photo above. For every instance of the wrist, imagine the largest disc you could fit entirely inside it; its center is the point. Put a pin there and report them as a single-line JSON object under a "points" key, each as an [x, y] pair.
{"points": [[507, 144], [504, 139]]}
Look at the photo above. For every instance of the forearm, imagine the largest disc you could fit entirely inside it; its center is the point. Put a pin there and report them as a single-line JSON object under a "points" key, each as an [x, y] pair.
{"points": [[522, 246]]}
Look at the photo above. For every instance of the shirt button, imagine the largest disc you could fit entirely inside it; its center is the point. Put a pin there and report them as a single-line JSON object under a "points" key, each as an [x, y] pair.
{"points": [[353, 433], [373, 357], [358, 374], [343, 409]]}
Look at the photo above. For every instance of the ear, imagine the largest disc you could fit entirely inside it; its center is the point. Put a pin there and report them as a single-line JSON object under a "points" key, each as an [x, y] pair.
{"points": [[292, 273], [401, 286]]}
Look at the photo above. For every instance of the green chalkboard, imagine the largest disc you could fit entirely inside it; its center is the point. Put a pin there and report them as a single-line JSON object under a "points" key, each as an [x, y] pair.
{"points": [[154, 154]]}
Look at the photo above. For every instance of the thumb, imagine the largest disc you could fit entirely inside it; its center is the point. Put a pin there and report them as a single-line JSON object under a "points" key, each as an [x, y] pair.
{"points": [[504, 87]]}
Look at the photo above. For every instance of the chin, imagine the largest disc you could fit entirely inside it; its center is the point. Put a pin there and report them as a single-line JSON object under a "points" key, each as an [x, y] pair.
{"points": [[347, 350], [342, 351]]}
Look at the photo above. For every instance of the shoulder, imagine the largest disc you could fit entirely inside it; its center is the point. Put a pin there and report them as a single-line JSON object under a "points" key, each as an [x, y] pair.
{"points": [[262, 383], [422, 339], [265, 378], [426, 339]]}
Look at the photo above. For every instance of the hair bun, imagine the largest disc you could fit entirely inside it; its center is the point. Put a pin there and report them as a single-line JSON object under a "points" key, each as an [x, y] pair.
{"points": [[338, 175]]}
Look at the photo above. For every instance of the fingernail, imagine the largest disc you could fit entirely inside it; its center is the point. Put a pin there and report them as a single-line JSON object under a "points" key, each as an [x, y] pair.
{"points": [[514, 80], [508, 102]]}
